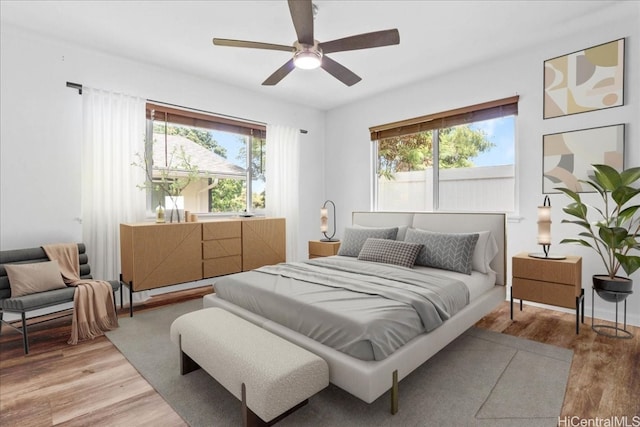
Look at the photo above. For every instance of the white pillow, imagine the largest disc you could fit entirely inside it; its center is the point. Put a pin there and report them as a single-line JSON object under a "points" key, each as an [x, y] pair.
{"points": [[485, 251], [402, 230]]}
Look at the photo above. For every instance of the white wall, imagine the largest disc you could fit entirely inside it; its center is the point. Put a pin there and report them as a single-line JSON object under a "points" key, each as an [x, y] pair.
{"points": [[348, 148], [41, 129]]}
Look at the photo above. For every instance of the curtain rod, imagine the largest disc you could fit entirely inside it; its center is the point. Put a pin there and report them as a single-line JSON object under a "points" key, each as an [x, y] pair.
{"points": [[78, 87]]}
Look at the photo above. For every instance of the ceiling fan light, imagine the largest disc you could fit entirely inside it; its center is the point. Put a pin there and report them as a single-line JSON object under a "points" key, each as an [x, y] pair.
{"points": [[307, 59]]}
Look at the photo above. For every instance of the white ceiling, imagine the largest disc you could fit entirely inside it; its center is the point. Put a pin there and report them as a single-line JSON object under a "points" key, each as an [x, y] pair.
{"points": [[435, 37]]}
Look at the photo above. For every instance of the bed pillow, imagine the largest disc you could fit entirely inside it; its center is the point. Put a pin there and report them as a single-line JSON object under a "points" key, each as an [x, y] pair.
{"points": [[390, 252], [448, 251], [354, 238], [402, 230], [485, 251], [25, 279]]}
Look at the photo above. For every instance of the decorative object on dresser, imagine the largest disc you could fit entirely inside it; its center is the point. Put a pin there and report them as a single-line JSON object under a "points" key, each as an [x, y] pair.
{"points": [[544, 231], [168, 172], [612, 231], [321, 248], [553, 282], [157, 255], [324, 222]]}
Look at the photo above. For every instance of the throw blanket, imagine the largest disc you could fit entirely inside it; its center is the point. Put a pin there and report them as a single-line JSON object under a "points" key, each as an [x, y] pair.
{"points": [[93, 310], [363, 309], [435, 300]]}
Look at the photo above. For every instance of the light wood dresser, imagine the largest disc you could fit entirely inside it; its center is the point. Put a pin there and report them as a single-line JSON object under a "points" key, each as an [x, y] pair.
{"points": [[156, 255]]}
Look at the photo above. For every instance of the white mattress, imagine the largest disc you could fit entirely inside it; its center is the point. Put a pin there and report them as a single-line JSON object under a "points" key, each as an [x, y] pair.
{"points": [[478, 283]]}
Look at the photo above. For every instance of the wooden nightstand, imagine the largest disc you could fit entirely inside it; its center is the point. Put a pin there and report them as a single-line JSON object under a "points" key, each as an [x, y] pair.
{"points": [[319, 249], [553, 282]]}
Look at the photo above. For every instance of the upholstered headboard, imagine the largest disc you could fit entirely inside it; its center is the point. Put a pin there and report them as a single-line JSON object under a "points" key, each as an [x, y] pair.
{"points": [[447, 222]]}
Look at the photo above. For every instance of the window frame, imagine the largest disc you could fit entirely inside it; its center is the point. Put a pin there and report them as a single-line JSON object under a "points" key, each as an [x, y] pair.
{"points": [[434, 122], [183, 116]]}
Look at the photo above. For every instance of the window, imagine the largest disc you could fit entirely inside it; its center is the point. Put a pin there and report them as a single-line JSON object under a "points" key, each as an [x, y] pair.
{"points": [[215, 163], [458, 160]]}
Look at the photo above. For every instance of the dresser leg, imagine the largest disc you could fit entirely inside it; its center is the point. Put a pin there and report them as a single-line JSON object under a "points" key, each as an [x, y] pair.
{"points": [[511, 304]]}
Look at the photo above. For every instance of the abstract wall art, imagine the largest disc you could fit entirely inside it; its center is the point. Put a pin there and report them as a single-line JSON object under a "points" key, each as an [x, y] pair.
{"points": [[568, 156], [587, 80]]}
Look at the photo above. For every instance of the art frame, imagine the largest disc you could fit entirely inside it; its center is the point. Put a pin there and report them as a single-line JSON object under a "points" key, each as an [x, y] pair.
{"points": [[586, 80], [567, 156]]}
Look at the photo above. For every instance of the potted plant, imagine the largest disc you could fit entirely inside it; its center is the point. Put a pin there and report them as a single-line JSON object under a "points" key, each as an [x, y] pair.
{"points": [[171, 179], [614, 229]]}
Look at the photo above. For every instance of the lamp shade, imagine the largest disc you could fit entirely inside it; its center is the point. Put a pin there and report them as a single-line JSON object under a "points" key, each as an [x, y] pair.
{"points": [[544, 231], [324, 220], [544, 225]]}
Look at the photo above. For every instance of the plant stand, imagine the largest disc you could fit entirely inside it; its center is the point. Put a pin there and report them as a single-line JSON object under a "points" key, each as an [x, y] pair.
{"points": [[604, 330]]}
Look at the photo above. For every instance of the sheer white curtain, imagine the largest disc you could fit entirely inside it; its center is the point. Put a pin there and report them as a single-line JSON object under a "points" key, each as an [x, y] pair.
{"points": [[282, 176], [113, 132]]}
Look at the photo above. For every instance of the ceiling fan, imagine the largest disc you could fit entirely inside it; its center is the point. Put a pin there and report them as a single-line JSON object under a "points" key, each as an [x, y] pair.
{"points": [[308, 53]]}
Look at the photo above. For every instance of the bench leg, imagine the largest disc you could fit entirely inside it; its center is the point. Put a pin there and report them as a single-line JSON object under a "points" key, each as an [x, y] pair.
{"points": [[25, 340], [187, 364], [250, 419]]}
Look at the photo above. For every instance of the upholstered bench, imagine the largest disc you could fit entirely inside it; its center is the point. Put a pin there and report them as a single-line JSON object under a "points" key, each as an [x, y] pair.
{"points": [[26, 303], [271, 376]]}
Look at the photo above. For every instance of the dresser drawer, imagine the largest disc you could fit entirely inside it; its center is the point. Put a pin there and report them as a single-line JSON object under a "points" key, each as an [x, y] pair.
{"points": [[567, 271], [221, 266], [221, 230], [544, 292], [221, 248]]}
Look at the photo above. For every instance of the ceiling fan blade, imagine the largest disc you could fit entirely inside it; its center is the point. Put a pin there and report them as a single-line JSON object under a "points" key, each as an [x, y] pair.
{"points": [[254, 45], [279, 74], [362, 41], [340, 72], [302, 16]]}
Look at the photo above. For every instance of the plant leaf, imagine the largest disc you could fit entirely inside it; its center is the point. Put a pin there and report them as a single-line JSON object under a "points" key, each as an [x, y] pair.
{"points": [[629, 263], [577, 242], [607, 177], [613, 237], [629, 176], [579, 210], [575, 196], [623, 194]]}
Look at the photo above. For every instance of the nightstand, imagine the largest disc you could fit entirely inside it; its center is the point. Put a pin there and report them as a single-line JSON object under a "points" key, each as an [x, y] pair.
{"points": [[553, 282], [319, 249]]}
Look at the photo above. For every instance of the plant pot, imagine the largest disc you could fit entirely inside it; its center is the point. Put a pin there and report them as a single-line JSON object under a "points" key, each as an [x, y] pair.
{"points": [[612, 290]]}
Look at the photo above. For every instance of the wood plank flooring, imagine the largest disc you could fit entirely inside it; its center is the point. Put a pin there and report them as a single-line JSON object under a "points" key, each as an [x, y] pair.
{"points": [[93, 384]]}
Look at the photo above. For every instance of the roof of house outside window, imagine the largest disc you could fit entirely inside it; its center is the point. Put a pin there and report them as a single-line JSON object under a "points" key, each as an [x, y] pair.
{"points": [[209, 163]]}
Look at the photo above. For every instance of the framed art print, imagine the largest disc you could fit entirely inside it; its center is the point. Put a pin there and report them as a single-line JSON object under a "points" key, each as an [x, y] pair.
{"points": [[587, 80], [567, 157]]}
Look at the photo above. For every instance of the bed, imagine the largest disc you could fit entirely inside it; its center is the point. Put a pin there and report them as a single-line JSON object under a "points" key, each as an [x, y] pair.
{"points": [[368, 374]]}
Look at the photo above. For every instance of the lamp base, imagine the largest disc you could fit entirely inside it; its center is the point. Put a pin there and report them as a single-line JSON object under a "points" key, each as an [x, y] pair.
{"points": [[329, 240], [547, 256]]}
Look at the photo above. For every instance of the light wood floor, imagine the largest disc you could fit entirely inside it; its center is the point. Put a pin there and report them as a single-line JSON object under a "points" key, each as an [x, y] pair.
{"points": [[93, 384]]}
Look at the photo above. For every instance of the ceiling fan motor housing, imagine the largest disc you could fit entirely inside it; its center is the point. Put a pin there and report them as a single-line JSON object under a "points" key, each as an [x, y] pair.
{"points": [[307, 56]]}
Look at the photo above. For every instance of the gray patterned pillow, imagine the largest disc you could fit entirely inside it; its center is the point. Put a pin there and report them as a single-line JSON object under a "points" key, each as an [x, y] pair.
{"points": [[354, 238], [390, 252], [452, 251]]}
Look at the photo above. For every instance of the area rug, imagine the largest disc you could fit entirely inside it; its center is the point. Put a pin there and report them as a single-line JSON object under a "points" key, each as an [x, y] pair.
{"points": [[482, 378]]}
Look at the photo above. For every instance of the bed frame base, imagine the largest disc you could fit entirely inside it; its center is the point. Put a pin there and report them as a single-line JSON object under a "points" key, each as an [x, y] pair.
{"points": [[394, 392]]}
